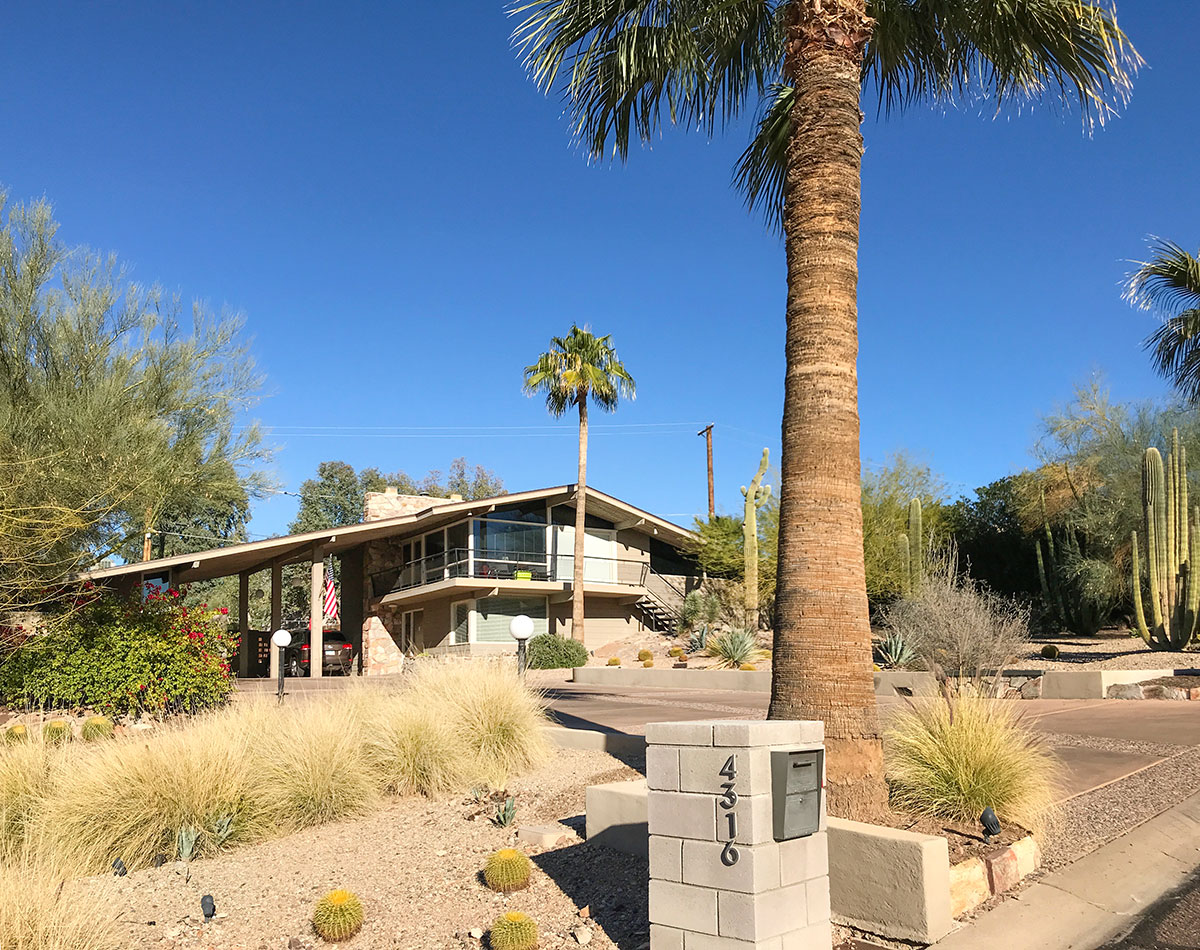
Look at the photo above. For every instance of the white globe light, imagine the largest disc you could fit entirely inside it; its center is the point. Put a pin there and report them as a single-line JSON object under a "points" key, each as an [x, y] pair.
{"points": [[521, 627], [281, 638]]}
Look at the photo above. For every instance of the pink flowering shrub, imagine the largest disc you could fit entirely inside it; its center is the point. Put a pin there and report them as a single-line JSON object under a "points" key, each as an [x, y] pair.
{"points": [[123, 655]]}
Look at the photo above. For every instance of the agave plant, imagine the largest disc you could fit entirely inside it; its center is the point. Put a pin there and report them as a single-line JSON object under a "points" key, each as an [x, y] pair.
{"points": [[895, 653], [734, 648]]}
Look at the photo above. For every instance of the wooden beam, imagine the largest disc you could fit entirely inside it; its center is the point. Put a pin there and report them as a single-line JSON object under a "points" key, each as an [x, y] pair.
{"points": [[629, 523], [244, 623], [316, 614], [276, 615]]}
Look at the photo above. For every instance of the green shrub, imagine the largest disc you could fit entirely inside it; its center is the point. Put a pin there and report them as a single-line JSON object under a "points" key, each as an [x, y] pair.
{"points": [[644, 655], [548, 651], [1050, 651], [513, 931], [95, 728], [612, 661], [951, 761], [507, 870], [734, 648], [56, 732], [122, 655], [338, 916]]}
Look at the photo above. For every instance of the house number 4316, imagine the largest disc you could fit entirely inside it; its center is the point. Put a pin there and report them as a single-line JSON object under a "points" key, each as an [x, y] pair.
{"points": [[728, 817]]}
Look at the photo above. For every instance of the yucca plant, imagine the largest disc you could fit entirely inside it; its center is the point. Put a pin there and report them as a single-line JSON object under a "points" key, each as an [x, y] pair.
{"points": [[735, 647]]}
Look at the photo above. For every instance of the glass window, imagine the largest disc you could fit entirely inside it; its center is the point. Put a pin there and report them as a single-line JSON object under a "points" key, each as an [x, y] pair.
{"points": [[533, 512], [665, 559], [456, 548], [494, 614], [503, 548], [565, 514], [462, 622]]}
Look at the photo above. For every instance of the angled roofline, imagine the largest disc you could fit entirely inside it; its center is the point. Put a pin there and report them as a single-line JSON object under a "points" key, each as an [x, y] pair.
{"points": [[286, 547]]}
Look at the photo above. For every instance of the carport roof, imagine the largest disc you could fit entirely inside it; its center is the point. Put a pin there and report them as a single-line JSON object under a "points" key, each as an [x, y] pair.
{"points": [[257, 555]]}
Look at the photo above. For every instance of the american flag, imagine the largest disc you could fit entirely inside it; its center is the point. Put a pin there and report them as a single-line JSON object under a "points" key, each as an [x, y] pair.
{"points": [[331, 601]]}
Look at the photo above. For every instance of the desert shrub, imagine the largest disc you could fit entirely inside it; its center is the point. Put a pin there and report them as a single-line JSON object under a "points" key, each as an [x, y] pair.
{"points": [[735, 647], [960, 629], [312, 765], [613, 661], [130, 800], [338, 916], [507, 870], [1050, 651], [124, 655], [415, 750], [548, 651], [25, 781], [39, 912], [500, 720], [951, 760], [699, 611], [644, 655], [95, 728]]}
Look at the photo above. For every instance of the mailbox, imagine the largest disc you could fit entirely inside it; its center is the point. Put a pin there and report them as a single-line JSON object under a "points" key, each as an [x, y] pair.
{"points": [[796, 780]]}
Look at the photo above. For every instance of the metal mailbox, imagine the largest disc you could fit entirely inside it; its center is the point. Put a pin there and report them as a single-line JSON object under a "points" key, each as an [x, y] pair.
{"points": [[796, 786]]}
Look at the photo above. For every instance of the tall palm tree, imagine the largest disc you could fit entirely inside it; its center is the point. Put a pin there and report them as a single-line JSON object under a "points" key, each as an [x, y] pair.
{"points": [[626, 66], [1170, 283], [579, 368]]}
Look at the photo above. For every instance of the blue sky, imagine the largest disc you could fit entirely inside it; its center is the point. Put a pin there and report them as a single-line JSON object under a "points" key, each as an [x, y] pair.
{"points": [[402, 220]]}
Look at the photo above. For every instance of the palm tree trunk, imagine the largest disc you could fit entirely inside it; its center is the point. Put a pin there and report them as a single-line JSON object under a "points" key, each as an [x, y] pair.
{"points": [[580, 526], [822, 660]]}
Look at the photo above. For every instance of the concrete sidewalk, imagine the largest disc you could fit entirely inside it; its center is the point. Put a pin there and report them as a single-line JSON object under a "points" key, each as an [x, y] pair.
{"points": [[1100, 897]]}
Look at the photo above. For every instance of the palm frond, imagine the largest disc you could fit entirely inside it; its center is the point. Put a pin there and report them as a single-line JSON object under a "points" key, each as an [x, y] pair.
{"points": [[622, 64], [1169, 284], [758, 174], [1028, 51]]}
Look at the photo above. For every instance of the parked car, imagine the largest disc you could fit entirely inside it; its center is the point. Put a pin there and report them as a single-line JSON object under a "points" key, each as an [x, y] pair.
{"points": [[339, 655]]}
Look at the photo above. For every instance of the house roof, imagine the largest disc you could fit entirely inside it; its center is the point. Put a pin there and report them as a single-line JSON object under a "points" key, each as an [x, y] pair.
{"points": [[256, 555]]}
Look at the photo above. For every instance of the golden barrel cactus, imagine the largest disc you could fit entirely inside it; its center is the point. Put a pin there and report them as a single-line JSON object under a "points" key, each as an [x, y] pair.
{"points": [[17, 733], [514, 931], [614, 661], [95, 728], [507, 870], [338, 916], [56, 732]]}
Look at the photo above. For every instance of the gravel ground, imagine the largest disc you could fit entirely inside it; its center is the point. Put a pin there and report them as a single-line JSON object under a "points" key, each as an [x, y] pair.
{"points": [[414, 864], [1107, 650]]}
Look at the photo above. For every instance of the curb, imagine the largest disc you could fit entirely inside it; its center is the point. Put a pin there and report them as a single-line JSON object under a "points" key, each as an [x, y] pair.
{"points": [[1099, 897]]}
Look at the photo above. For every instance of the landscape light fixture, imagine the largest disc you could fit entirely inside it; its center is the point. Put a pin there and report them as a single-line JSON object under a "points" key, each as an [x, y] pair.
{"points": [[282, 639], [991, 824], [208, 906], [521, 628]]}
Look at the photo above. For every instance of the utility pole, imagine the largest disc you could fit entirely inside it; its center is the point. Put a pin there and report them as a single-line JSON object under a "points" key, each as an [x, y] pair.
{"points": [[707, 433]]}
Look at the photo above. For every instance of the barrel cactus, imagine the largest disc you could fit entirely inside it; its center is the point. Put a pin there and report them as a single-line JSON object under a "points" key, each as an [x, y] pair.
{"points": [[1050, 651], [56, 732], [648, 663], [514, 931], [644, 655], [17, 733], [95, 728], [748, 667], [338, 916], [613, 661], [507, 870], [675, 651]]}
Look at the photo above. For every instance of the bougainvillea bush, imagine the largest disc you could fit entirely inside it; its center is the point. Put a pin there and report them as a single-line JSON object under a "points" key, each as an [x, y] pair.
{"points": [[123, 655]]}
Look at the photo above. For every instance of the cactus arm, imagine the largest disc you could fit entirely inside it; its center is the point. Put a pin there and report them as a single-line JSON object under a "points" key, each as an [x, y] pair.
{"points": [[1192, 585], [1139, 614], [916, 542], [750, 539]]}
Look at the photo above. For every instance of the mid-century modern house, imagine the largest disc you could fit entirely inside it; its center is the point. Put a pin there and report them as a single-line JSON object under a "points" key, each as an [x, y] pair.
{"points": [[444, 575]]}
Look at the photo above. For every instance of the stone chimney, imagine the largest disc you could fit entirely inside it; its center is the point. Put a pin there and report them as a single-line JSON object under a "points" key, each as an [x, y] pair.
{"points": [[391, 504]]}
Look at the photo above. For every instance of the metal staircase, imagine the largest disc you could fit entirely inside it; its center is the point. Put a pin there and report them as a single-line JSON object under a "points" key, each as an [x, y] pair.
{"points": [[659, 604]]}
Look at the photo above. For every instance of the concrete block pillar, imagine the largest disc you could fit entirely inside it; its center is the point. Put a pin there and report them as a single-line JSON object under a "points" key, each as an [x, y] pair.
{"points": [[719, 879]]}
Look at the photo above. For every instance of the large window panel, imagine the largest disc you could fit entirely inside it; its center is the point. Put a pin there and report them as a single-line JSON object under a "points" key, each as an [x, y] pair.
{"points": [[494, 614]]}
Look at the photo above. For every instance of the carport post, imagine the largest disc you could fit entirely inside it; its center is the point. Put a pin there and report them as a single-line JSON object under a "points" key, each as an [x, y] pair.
{"points": [[316, 615], [244, 624], [276, 612]]}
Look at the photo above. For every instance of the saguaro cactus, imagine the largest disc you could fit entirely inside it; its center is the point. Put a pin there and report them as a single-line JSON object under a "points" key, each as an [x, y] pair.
{"points": [[1172, 548], [910, 551], [756, 496]]}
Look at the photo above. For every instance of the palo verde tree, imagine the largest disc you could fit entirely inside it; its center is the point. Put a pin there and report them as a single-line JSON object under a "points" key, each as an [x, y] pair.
{"points": [[627, 66], [117, 407], [577, 369], [1169, 284]]}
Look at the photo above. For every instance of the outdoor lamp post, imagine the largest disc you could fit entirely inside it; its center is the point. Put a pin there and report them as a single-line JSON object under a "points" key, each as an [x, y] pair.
{"points": [[521, 628], [282, 639]]}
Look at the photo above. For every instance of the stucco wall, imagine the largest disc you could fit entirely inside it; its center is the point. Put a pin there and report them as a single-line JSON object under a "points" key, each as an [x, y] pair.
{"points": [[605, 620]]}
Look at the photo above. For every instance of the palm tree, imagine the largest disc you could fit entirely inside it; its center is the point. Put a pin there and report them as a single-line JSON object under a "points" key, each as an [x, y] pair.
{"points": [[577, 368], [1170, 283], [626, 66]]}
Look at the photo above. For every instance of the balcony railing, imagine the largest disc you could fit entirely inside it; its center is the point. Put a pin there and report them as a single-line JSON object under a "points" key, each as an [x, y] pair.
{"points": [[506, 565]]}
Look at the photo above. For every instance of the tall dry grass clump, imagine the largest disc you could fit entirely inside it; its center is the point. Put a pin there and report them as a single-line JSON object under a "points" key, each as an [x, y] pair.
{"points": [[38, 911], [416, 750], [131, 799], [311, 763], [952, 760], [498, 719], [25, 781]]}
